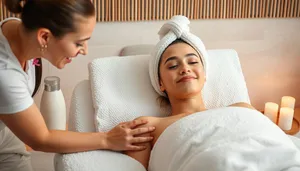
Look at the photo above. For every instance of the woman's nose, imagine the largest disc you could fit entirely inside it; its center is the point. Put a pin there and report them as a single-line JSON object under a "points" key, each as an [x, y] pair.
{"points": [[184, 69]]}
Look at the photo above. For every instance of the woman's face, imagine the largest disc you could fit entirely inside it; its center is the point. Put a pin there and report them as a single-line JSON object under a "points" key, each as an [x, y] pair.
{"points": [[181, 71], [61, 51]]}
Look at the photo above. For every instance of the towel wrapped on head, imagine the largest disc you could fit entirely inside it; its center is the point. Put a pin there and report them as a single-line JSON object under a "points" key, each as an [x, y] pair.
{"points": [[176, 28]]}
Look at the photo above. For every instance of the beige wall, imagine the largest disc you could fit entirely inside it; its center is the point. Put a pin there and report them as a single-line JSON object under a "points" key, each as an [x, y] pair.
{"points": [[269, 51]]}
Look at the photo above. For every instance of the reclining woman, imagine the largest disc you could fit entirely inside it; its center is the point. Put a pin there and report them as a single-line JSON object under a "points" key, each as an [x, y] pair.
{"points": [[236, 137]]}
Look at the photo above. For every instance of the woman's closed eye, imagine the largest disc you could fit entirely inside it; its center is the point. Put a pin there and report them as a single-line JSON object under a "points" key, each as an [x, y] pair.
{"points": [[195, 62], [172, 66]]}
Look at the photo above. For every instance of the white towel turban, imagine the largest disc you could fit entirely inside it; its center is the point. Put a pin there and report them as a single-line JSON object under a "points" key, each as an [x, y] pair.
{"points": [[176, 28]]}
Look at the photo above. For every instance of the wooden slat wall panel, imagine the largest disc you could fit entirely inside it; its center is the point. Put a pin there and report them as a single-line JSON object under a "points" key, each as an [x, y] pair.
{"points": [[141, 10]]}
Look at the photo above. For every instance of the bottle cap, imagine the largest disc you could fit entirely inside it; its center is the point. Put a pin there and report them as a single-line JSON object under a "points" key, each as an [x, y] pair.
{"points": [[52, 83]]}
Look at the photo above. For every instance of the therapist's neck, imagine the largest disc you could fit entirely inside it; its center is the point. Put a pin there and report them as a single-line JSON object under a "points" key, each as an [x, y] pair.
{"points": [[188, 105], [26, 47]]}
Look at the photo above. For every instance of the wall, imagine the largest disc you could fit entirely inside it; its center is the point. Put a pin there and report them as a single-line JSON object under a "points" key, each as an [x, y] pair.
{"points": [[269, 51]]}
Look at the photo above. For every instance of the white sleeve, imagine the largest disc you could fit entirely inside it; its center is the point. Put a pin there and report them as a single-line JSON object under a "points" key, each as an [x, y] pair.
{"points": [[14, 93]]}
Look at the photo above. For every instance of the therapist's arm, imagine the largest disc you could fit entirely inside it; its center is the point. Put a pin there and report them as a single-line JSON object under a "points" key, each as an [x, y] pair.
{"points": [[29, 127]]}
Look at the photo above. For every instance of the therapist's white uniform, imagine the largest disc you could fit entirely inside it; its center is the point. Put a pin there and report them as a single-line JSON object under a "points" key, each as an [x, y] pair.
{"points": [[16, 88]]}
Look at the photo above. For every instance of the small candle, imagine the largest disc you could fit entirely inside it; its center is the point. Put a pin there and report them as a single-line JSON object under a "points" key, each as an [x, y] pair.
{"points": [[271, 111], [288, 101], [286, 118]]}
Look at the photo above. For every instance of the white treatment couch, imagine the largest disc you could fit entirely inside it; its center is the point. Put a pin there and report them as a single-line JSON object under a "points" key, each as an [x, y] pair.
{"points": [[82, 116]]}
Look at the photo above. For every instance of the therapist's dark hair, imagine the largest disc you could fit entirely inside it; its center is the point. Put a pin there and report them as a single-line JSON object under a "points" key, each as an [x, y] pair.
{"points": [[59, 16], [38, 76]]}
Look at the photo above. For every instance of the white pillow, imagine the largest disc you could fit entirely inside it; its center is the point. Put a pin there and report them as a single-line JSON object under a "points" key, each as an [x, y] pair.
{"points": [[225, 83], [121, 88]]}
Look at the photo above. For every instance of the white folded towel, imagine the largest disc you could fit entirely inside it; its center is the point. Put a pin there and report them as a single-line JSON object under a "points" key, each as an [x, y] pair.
{"points": [[176, 28], [224, 139]]}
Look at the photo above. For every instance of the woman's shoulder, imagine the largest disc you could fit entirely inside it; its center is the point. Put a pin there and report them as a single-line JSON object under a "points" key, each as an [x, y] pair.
{"points": [[149, 119]]}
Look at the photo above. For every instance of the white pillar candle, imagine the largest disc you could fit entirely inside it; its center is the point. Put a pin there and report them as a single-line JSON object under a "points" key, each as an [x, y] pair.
{"points": [[286, 118], [271, 111], [288, 101]]}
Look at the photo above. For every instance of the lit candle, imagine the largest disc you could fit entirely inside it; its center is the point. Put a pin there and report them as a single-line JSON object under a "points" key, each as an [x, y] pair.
{"points": [[271, 111], [288, 101], [286, 118]]}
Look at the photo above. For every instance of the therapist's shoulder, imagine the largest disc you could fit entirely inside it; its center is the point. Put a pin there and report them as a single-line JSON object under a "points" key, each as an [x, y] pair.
{"points": [[12, 79], [10, 69], [11, 76], [14, 93]]}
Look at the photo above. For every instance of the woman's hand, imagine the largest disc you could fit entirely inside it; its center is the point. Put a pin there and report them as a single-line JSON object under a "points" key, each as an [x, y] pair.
{"points": [[125, 135]]}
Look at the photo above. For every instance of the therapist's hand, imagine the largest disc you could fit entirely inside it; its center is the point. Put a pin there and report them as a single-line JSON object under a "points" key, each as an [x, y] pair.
{"points": [[125, 136]]}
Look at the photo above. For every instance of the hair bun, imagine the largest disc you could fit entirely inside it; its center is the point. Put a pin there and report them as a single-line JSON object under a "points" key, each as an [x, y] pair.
{"points": [[14, 6]]}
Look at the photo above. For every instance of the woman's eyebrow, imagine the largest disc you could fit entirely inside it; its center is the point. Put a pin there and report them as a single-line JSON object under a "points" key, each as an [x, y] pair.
{"points": [[171, 58], [190, 54]]}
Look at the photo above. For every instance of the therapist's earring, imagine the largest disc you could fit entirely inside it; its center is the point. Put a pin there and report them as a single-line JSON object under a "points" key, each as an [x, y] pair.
{"points": [[43, 48]]}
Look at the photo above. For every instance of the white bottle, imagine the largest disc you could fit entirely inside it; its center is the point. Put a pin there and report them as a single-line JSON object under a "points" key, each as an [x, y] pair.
{"points": [[53, 107]]}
